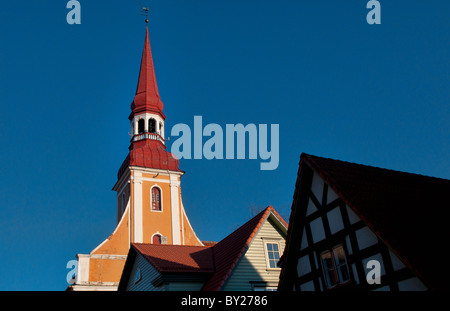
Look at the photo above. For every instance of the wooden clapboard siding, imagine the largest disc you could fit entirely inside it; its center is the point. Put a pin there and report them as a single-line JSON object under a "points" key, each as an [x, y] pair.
{"points": [[252, 267], [184, 286], [148, 274]]}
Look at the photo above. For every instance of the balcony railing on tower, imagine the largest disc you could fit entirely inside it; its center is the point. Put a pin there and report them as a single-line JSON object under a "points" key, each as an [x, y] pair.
{"points": [[147, 135]]}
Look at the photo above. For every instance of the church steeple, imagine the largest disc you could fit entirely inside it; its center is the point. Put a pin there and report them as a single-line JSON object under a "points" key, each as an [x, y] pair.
{"points": [[147, 97], [147, 117], [149, 204]]}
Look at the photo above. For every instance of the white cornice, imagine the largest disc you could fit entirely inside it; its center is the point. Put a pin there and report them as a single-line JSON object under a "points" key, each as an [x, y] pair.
{"points": [[120, 183], [155, 171]]}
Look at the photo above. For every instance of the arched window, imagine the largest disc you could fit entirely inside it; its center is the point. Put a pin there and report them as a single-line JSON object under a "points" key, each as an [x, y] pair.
{"points": [[156, 199], [141, 126], [152, 125], [156, 239]]}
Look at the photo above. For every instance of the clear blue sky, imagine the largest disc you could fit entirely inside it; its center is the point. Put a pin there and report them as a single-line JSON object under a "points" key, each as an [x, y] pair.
{"points": [[337, 87]]}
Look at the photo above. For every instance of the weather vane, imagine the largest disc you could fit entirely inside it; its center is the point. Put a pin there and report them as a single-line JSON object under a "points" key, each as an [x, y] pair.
{"points": [[144, 12]]}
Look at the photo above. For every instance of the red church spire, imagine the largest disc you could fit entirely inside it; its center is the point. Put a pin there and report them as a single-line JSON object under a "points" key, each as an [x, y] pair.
{"points": [[147, 97], [147, 148]]}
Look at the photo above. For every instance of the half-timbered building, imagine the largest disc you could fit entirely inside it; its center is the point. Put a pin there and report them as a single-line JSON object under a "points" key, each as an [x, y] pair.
{"points": [[357, 227]]}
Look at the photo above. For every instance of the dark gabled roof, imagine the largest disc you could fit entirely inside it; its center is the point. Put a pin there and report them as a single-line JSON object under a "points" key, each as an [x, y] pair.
{"points": [[228, 251], [407, 211]]}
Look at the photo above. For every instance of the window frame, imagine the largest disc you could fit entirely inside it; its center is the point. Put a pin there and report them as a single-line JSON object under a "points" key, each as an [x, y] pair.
{"points": [[335, 267], [160, 238], [160, 199], [160, 129], [266, 253]]}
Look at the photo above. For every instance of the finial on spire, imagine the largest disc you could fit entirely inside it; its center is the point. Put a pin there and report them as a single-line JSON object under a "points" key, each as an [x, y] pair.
{"points": [[144, 12]]}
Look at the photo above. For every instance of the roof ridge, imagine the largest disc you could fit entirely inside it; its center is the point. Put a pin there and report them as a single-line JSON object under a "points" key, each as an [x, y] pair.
{"points": [[313, 157], [278, 216], [264, 215], [228, 267]]}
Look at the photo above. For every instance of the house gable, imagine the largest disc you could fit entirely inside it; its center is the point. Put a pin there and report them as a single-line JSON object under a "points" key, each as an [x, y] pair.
{"points": [[238, 262], [166, 268], [229, 251], [252, 272], [321, 220], [143, 276]]}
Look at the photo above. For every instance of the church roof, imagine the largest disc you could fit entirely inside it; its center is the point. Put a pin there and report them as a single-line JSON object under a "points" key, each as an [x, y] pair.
{"points": [[407, 211], [151, 154], [148, 152]]}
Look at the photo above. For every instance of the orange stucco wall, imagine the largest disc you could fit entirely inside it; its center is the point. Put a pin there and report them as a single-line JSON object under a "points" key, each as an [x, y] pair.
{"points": [[110, 270], [156, 221], [105, 270], [189, 235], [118, 242]]}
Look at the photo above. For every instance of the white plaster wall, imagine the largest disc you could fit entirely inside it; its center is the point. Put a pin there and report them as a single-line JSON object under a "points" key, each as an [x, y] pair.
{"points": [[317, 230], [303, 266], [366, 238], [311, 208], [335, 220]]}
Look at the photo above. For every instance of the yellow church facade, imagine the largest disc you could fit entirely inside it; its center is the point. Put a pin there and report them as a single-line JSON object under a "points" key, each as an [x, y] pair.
{"points": [[149, 203]]}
